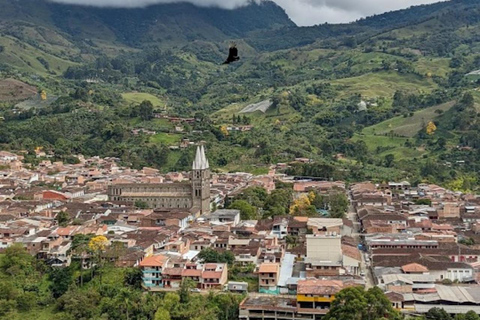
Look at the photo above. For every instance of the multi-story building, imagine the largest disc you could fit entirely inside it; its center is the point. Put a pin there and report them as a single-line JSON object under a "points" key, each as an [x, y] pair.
{"points": [[268, 274], [324, 255], [152, 268], [161, 272], [317, 294], [312, 302]]}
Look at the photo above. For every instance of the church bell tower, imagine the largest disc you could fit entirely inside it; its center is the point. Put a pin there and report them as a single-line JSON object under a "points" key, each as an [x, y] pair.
{"points": [[201, 181]]}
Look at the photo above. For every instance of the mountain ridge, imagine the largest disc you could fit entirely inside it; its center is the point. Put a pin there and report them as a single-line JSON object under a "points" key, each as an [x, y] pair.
{"points": [[157, 23]]}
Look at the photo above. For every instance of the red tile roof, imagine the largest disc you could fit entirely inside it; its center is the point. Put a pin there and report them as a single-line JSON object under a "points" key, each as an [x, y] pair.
{"points": [[414, 267], [191, 273], [154, 261], [319, 287]]}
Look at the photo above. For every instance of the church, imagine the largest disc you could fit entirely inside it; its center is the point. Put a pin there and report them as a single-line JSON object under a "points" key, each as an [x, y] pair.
{"points": [[193, 196]]}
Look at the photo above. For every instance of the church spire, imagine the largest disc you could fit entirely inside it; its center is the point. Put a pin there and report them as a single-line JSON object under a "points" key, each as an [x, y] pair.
{"points": [[200, 162]]}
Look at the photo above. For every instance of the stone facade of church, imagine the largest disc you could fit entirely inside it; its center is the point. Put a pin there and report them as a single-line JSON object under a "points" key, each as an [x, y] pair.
{"points": [[193, 196]]}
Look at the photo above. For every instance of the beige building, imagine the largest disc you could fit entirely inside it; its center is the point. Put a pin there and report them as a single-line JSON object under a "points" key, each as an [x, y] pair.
{"points": [[193, 195], [268, 274], [324, 247], [324, 255]]}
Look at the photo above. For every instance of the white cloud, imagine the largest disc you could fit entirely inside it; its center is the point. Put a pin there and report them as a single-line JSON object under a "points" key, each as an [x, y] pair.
{"points": [[310, 12], [303, 12]]}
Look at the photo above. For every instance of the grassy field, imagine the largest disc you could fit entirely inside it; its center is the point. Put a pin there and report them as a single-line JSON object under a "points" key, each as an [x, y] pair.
{"points": [[166, 138], [407, 127], [384, 84], [435, 66], [389, 145], [139, 97], [390, 136]]}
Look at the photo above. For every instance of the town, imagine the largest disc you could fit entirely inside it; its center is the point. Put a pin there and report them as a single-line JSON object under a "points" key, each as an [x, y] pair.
{"points": [[416, 243]]}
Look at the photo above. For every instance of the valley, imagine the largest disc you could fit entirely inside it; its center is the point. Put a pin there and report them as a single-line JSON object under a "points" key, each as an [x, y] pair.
{"points": [[363, 91]]}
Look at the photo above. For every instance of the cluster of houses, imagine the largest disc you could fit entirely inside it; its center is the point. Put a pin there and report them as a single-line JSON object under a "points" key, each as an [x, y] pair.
{"points": [[418, 244]]}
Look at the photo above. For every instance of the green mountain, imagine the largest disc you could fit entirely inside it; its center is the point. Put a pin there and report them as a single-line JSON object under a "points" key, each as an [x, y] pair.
{"points": [[167, 24], [356, 98]]}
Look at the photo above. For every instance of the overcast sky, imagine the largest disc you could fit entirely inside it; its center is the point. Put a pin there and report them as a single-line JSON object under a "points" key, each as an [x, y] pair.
{"points": [[303, 12]]}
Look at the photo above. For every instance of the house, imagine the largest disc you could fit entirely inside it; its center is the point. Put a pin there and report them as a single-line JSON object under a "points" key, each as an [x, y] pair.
{"points": [[317, 294], [439, 265], [7, 157], [324, 255], [404, 283], [247, 255], [237, 287], [161, 271], [449, 210], [298, 226], [213, 276], [152, 268], [268, 275], [453, 299], [325, 225], [280, 227], [223, 216], [165, 218], [311, 303]]}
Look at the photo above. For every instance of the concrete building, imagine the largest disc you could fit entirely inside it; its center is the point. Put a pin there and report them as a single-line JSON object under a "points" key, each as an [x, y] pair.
{"points": [[312, 302], [268, 275], [152, 271], [324, 255], [324, 247]]}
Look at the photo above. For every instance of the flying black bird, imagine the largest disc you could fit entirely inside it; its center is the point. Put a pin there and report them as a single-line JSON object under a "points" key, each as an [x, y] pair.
{"points": [[232, 54]]}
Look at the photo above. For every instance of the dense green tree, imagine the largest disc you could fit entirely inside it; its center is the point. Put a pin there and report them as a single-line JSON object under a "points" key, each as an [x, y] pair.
{"points": [[17, 262], [247, 211], [211, 255], [255, 196], [61, 279], [62, 218], [162, 314], [133, 277], [355, 303], [278, 202], [437, 314], [338, 204], [145, 110], [81, 304], [470, 315], [389, 158]]}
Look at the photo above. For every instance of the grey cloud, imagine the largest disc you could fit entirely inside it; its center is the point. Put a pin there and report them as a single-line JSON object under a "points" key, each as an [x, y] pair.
{"points": [[303, 12], [226, 4]]}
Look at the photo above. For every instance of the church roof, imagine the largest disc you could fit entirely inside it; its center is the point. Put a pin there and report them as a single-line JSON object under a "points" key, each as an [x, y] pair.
{"points": [[200, 162]]}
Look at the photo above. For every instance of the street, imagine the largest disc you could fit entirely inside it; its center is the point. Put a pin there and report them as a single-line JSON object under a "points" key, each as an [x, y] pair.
{"points": [[365, 265]]}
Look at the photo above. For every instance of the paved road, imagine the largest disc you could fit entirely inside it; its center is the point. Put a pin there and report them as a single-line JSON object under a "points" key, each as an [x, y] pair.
{"points": [[352, 215]]}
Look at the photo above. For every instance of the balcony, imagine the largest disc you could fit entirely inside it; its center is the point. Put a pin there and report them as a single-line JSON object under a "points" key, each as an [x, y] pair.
{"points": [[151, 278]]}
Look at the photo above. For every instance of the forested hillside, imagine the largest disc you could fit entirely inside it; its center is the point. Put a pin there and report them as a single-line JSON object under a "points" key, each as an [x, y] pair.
{"points": [[387, 97]]}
